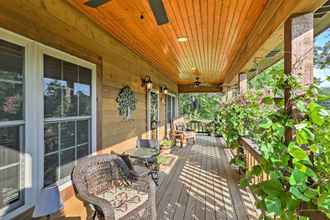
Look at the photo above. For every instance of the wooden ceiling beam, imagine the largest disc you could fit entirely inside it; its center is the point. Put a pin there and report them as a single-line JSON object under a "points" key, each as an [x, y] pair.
{"points": [[273, 16]]}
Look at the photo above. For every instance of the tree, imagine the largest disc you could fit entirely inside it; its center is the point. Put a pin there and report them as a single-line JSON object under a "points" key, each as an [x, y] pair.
{"points": [[199, 106], [322, 53]]}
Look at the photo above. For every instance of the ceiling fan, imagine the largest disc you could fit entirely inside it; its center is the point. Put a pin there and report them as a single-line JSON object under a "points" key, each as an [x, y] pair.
{"points": [[156, 6], [197, 83]]}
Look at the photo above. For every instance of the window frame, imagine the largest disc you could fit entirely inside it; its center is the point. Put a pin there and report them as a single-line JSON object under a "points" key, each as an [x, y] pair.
{"points": [[25, 156], [149, 131], [34, 117], [46, 50], [173, 102]]}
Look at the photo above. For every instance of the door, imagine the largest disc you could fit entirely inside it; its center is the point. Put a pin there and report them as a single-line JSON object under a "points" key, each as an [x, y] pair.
{"points": [[153, 115]]}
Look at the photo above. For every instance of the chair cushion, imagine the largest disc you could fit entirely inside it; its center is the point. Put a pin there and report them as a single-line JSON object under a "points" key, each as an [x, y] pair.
{"points": [[124, 200]]}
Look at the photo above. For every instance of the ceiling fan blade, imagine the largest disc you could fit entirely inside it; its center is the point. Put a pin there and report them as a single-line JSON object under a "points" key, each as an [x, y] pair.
{"points": [[96, 3], [159, 11]]}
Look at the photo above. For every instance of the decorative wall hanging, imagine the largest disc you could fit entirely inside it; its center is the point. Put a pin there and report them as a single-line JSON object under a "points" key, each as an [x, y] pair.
{"points": [[126, 102]]}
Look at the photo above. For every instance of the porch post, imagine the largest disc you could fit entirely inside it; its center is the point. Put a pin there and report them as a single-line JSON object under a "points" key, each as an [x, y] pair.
{"points": [[243, 86], [298, 56]]}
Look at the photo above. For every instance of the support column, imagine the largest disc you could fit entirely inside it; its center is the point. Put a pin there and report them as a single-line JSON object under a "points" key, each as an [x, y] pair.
{"points": [[298, 56], [243, 83]]}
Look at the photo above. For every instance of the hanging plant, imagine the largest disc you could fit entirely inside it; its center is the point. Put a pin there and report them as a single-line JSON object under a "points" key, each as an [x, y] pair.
{"points": [[126, 102]]}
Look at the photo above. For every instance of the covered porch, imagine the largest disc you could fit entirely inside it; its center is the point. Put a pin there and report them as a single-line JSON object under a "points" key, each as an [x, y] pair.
{"points": [[200, 185], [80, 79]]}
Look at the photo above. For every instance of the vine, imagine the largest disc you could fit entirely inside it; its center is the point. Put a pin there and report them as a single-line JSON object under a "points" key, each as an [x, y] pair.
{"points": [[299, 171]]}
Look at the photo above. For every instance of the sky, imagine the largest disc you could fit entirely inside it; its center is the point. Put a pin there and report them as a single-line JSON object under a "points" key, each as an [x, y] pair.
{"points": [[322, 74]]}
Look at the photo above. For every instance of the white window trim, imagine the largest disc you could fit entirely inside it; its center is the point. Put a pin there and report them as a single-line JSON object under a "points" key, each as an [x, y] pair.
{"points": [[45, 50], [149, 111], [33, 110], [175, 105]]}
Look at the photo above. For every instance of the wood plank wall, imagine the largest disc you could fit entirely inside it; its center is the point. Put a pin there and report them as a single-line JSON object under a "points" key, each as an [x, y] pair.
{"points": [[59, 25]]}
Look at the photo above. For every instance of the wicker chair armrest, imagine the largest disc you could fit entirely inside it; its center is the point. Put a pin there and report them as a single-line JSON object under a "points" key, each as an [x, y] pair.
{"points": [[147, 185], [100, 204]]}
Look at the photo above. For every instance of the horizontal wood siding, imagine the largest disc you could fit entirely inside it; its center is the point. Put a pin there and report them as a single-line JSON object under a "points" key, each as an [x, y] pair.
{"points": [[59, 25]]}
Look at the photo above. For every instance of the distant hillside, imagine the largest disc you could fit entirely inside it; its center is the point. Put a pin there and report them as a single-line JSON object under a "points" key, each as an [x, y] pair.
{"points": [[325, 90]]}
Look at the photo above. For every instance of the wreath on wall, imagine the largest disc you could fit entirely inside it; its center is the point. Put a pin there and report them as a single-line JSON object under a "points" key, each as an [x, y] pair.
{"points": [[126, 102]]}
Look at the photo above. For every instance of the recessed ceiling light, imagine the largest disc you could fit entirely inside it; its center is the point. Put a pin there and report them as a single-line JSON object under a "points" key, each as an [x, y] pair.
{"points": [[182, 39]]}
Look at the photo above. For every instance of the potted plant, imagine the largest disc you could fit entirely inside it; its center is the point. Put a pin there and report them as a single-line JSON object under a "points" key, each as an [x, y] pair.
{"points": [[165, 146]]}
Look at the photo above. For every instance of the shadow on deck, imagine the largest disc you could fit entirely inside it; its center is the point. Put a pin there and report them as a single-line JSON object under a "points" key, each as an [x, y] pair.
{"points": [[202, 185]]}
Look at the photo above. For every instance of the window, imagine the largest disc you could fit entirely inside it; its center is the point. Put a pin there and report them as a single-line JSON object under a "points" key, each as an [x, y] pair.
{"points": [[47, 121], [11, 125], [67, 115], [170, 108]]}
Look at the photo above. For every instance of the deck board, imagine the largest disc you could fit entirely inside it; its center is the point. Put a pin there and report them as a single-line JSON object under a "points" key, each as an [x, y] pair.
{"points": [[202, 185]]}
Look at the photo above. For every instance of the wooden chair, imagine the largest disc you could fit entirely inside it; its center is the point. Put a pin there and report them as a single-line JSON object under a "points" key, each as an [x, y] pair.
{"points": [[181, 133]]}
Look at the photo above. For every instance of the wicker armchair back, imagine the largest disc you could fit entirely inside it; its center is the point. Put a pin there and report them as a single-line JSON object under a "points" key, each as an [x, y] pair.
{"points": [[96, 175]]}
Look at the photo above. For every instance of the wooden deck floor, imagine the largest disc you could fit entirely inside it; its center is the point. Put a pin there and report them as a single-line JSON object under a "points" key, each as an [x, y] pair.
{"points": [[202, 185]]}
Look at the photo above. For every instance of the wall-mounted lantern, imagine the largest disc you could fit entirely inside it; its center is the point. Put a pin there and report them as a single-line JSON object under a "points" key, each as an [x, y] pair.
{"points": [[147, 82], [164, 90]]}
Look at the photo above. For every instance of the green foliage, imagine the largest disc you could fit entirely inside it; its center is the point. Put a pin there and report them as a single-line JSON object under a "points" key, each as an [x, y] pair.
{"points": [[166, 144], [199, 106], [322, 54], [163, 160], [299, 171]]}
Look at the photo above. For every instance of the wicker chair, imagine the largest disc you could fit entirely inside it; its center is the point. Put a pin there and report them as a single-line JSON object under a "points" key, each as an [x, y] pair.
{"points": [[99, 181]]}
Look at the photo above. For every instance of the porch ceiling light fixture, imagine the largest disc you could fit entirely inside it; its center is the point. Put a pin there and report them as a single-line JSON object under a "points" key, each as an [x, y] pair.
{"points": [[182, 39], [164, 90], [147, 82]]}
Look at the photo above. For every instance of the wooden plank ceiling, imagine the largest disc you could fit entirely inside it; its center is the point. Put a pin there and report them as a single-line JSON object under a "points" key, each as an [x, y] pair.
{"points": [[215, 31]]}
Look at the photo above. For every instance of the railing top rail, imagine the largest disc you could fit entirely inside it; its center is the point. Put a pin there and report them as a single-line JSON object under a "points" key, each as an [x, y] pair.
{"points": [[251, 146]]}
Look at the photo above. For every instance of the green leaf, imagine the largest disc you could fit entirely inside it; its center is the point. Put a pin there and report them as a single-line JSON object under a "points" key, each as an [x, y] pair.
{"points": [[301, 106], [268, 100], [324, 202], [273, 204], [244, 182], [310, 193], [314, 148], [266, 123], [271, 187], [295, 191], [297, 177], [292, 204], [315, 110], [304, 135], [297, 153]]}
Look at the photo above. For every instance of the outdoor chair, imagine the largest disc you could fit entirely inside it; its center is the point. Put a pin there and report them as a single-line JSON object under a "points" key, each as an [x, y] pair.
{"points": [[135, 167], [181, 133], [150, 163], [101, 182]]}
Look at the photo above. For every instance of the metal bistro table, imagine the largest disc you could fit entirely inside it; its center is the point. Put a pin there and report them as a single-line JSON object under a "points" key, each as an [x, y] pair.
{"points": [[148, 157]]}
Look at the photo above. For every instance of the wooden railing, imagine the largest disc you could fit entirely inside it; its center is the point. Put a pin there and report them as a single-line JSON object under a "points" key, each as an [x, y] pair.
{"points": [[252, 157], [200, 126]]}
